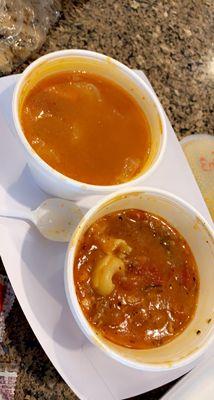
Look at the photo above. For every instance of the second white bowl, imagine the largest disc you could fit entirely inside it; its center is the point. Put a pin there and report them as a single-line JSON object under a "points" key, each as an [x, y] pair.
{"points": [[194, 340]]}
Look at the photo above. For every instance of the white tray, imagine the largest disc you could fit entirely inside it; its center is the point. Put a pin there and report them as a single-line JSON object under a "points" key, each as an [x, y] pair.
{"points": [[197, 385], [35, 268]]}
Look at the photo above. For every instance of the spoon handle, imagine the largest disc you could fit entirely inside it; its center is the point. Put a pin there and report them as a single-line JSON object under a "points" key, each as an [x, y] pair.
{"points": [[21, 214]]}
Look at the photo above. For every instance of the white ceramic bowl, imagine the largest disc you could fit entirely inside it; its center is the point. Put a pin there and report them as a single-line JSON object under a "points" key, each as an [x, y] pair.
{"points": [[189, 345], [52, 181]]}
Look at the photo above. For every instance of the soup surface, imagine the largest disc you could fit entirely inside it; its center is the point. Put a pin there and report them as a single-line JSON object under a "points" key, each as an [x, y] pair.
{"points": [[136, 279], [86, 127]]}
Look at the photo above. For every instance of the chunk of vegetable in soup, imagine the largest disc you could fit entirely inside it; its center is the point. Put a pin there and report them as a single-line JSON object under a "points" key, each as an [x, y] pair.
{"points": [[86, 127], [136, 279]]}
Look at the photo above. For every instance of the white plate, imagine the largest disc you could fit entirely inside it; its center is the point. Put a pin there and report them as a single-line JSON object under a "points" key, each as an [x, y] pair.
{"points": [[35, 268], [197, 385]]}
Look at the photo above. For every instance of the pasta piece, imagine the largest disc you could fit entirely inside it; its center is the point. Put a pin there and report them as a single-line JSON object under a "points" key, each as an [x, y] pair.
{"points": [[62, 92], [122, 246], [104, 272], [130, 169], [89, 90], [109, 245]]}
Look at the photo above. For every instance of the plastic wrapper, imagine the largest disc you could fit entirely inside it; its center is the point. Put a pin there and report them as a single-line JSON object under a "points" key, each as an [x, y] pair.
{"points": [[23, 28], [8, 376]]}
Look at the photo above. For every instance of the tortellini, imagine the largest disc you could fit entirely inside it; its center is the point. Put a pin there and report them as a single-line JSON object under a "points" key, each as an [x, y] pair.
{"points": [[115, 251], [104, 271]]}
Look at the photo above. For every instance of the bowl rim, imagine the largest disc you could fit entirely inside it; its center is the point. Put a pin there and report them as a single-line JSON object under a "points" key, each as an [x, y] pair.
{"points": [[72, 297], [53, 172]]}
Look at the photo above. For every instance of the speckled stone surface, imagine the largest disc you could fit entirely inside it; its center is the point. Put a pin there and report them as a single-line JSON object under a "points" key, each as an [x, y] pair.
{"points": [[171, 41]]}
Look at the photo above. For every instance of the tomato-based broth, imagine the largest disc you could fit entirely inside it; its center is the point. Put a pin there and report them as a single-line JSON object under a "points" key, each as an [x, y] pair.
{"points": [[86, 127], [136, 279]]}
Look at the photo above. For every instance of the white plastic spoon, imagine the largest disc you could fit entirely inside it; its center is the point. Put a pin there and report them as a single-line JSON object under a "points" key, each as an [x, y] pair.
{"points": [[56, 219]]}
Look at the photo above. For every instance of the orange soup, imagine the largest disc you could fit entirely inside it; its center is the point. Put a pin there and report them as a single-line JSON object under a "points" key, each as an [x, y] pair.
{"points": [[86, 127], [136, 279]]}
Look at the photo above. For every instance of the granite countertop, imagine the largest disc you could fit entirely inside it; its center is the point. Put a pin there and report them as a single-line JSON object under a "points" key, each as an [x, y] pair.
{"points": [[171, 41]]}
